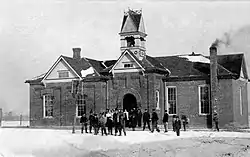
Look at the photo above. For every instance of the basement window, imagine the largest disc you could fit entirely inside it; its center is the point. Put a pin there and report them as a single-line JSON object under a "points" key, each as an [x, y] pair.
{"points": [[204, 104], [63, 73], [128, 65]]}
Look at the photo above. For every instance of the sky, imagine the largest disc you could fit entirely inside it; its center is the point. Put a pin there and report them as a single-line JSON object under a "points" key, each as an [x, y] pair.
{"points": [[33, 34]]}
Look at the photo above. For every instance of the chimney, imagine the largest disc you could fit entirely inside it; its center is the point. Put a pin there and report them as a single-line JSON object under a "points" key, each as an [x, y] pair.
{"points": [[77, 53], [213, 77]]}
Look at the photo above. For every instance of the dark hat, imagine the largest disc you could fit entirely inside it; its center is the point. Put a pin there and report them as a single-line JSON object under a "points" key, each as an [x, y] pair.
{"points": [[166, 110], [153, 109]]}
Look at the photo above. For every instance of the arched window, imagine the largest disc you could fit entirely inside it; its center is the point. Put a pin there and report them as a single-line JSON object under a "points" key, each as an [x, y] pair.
{"points": [[157, 97]]}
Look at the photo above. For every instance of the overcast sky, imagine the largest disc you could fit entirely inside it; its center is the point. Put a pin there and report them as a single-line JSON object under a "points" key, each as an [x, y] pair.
{"points": [[33, 34]]}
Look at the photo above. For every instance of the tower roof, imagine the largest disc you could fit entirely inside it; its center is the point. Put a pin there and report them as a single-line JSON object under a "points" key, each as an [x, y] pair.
{"points": [[133, 22]]}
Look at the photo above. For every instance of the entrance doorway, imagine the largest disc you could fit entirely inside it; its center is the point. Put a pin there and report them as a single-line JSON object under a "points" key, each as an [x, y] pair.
{"points": [[129, 102]]}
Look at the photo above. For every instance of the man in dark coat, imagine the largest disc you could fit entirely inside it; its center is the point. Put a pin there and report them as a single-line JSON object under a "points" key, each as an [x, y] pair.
{"points": [[154, 121], [109, 122], [216, 121], [121, 123], [133, 119], [146, 119], [116, 121], [139, 116], [165, 121], [91, 118], [177, 125], [84, 123], [95, 123]]}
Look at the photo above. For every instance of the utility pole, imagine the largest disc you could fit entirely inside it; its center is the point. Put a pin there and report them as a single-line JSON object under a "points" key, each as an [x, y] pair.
{"points": [[75, 84]]}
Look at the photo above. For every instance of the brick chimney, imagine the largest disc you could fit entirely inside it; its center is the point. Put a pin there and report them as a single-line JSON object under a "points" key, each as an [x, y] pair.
{"points": [[213, 77], [77, 53]]}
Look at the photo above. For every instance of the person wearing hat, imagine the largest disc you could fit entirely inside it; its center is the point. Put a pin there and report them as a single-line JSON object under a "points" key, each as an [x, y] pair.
{"points": [[165, 120], [154, 121], [95, 123], [91, 118], [146, 119], [177, 125], [216, 121]]}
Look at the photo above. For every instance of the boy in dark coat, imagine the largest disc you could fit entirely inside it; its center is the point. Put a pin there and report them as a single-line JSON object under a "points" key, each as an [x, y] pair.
{"points": [[109, 122], [139, 116], [216, 121], [91, 118], [103, 120], [165, 121], [84, 123], [122, 120], [155, 121], [173, 122], [184, 121], [116, 121], [177, 125], [146, 120]]}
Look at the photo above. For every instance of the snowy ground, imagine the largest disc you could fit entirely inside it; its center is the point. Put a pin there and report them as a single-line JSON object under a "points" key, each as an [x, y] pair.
{"points": [[14, 123], [23, 142]]}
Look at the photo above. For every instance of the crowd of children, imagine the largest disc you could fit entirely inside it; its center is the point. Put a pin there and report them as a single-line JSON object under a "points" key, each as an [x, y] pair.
{"points": [[119, 120]]}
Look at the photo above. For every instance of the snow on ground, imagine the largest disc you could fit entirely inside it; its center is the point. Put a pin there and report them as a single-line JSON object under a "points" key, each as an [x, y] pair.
{"points": [[41, 142], [14, 123], [199, 58]]}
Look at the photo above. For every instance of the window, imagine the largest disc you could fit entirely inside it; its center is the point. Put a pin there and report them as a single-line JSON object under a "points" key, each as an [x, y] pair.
{"points": [[241, 103], [63, 73], [128, 65], [81, 105], [204, 104], [171, 100], [130, 41], [48, 105], [157, 99]]}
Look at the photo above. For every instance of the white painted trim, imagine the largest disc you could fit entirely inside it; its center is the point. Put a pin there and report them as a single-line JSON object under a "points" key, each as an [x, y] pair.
{"points": [[166, 96], [123, 54], [199, 99], [55, 64]]}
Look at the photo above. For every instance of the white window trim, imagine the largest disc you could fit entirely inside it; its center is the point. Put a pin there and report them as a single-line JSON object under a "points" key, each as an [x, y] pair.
{"points": [[44, 112], [241, 102], [166, 96], [199, 95]]}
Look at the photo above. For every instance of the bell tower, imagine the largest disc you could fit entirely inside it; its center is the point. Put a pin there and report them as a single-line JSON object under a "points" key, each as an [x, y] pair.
{"points": [[133, 33]]}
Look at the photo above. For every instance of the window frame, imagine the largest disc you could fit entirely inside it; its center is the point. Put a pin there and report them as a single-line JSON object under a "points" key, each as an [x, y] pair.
{"points": [[131, 65], [167, 106], [63, 71], [83, 100], [44, 106], [199, 99], [157, 98], [241, 102]]}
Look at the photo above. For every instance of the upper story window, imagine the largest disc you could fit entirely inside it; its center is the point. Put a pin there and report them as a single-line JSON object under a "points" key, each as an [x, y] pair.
{"points": [[63, 73], [204, 104], [130, 41], [241, 103], [128, 65]]}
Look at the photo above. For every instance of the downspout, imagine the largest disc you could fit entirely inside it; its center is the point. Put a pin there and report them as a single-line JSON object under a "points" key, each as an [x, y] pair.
{"points": [[147, 93], [106, 94]]}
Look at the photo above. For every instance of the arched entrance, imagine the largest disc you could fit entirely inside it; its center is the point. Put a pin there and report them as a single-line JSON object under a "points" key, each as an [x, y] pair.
{"points": [[129, 102]]}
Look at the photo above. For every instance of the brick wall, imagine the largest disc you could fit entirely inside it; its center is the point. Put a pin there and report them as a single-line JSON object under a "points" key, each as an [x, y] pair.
{"points": [[241, 120]]}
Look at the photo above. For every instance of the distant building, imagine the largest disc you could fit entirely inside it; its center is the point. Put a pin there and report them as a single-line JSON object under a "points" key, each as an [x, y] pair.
{"points": [[181, 84]]}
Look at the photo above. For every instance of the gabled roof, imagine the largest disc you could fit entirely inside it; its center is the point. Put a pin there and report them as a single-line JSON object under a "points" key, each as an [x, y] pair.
{"points": [[175, 66]]}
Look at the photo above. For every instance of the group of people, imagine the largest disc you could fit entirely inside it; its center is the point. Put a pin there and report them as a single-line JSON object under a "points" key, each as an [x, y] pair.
{"points": [[118, 120]]}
